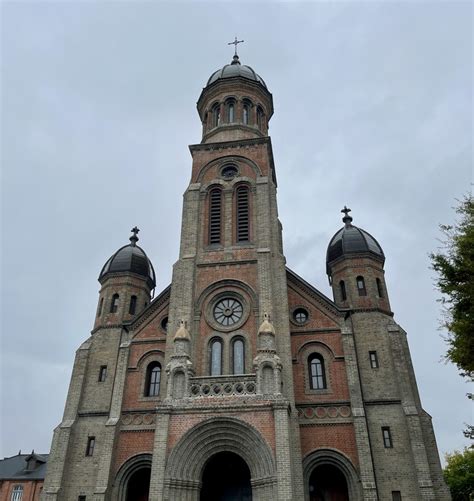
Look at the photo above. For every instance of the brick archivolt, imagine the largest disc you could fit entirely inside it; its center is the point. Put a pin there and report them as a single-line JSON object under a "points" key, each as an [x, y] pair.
{"points": [[198, 445]]}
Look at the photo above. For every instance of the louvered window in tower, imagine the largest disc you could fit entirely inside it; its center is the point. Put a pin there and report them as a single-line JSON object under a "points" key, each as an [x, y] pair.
{"points": [[215, 216], [243, 223]]}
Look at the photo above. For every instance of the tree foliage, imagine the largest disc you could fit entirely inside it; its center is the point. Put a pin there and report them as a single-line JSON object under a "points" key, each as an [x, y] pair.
{"points": [[454, 264], [459, 474]]}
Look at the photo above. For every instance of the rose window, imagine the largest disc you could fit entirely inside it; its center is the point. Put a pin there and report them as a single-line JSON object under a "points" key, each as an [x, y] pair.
{"points": [[228, 312]]}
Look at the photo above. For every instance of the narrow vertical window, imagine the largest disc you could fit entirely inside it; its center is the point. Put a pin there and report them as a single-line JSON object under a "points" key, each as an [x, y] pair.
{"points": [[387, 437], [17, 493], [396, 496], [81, 498], [133, 305], [342, 287], [102, 373], [99, 309], [243, 223], [238, 357], [216, 357], [374, 361], [361, 286], [114, 303], [216, 115], [259, 117], [246, 113], [379, 287], [317, 376], [90, 446], [230, 111], [153, 380], [215, 216]]}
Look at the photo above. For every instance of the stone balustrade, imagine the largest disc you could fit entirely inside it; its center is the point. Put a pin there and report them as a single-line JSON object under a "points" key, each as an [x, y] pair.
{"points": [[223, 386]]}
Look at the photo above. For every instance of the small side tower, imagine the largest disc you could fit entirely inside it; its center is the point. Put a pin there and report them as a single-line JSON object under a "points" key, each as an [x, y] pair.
{"points": [[127, 280], [354, 264]]}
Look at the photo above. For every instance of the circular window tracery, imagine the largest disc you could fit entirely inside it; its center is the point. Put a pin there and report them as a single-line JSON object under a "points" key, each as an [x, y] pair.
{"points": [[300, 316], [228, 311], [229, 171]]}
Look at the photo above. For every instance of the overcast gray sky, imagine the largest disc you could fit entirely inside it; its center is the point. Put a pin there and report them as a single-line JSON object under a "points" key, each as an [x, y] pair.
{"points": [[373, 109]]}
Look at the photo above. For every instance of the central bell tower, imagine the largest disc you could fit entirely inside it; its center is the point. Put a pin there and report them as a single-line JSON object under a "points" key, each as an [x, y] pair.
{"points": [[229, 285]]}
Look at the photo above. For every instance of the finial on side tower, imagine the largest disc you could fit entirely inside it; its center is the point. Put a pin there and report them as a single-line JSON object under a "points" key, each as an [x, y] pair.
{"points": [[134, 237], [235, 59], [346, 219]]}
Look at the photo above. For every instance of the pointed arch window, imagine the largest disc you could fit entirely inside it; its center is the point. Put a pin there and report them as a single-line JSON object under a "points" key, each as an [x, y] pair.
{"points": [[361, 286], [238, 356], [317, 374], [342, 287], [215, 216], [243, 213], [216, 357], [133, 305], [216, 115], [114, 303], [153, 380]]}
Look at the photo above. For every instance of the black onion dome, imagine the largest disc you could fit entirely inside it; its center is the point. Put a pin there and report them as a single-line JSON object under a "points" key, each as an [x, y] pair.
{"points": [[235, 69], [130, 259], [351, 240]]}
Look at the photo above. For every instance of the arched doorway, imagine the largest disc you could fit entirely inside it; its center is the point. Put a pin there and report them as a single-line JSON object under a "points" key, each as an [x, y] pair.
{"points": [[138, 485], [328, 483], [226, 477]]}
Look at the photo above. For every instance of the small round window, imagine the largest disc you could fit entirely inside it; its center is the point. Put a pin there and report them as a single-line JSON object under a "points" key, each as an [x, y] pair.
{"points": [[164, 323], [300, 316], [229, 171]]}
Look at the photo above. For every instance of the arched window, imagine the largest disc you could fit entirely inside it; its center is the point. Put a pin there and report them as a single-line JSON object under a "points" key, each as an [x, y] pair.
{"points": [[246, 111], [230, 105], [342, 287], [259, 117], [216, 357], [114, 303], [153, 380], [215, 216], [17, 493], [317, 375], [216, 115], [379, 287], [99, 309], [242, 209], [133, 305], [361, 286], [238, 356]]}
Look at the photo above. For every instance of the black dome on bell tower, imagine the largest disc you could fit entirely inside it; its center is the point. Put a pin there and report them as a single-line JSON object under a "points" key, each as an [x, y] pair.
{"points": [[350, 241], [130, 259]]}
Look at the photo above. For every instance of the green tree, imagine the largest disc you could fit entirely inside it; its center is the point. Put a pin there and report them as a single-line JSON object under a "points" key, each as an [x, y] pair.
{"points": [[459, 474], [454, 264], [455, 267]]}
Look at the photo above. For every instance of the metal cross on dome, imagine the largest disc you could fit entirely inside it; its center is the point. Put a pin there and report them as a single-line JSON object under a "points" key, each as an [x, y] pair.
{"points": [[235, 43], [134, 237], [346, 210]]}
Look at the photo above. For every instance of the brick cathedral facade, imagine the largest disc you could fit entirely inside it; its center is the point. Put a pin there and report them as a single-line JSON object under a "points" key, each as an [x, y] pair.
{"points": [[241, 381]]}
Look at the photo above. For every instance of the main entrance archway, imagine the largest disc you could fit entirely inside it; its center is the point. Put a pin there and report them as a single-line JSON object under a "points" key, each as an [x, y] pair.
{"points": [[226, 477], [328, 483], [196, 459]]}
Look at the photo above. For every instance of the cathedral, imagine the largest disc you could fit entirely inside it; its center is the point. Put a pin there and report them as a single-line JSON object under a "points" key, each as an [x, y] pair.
{"points": [[240, 380]]}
